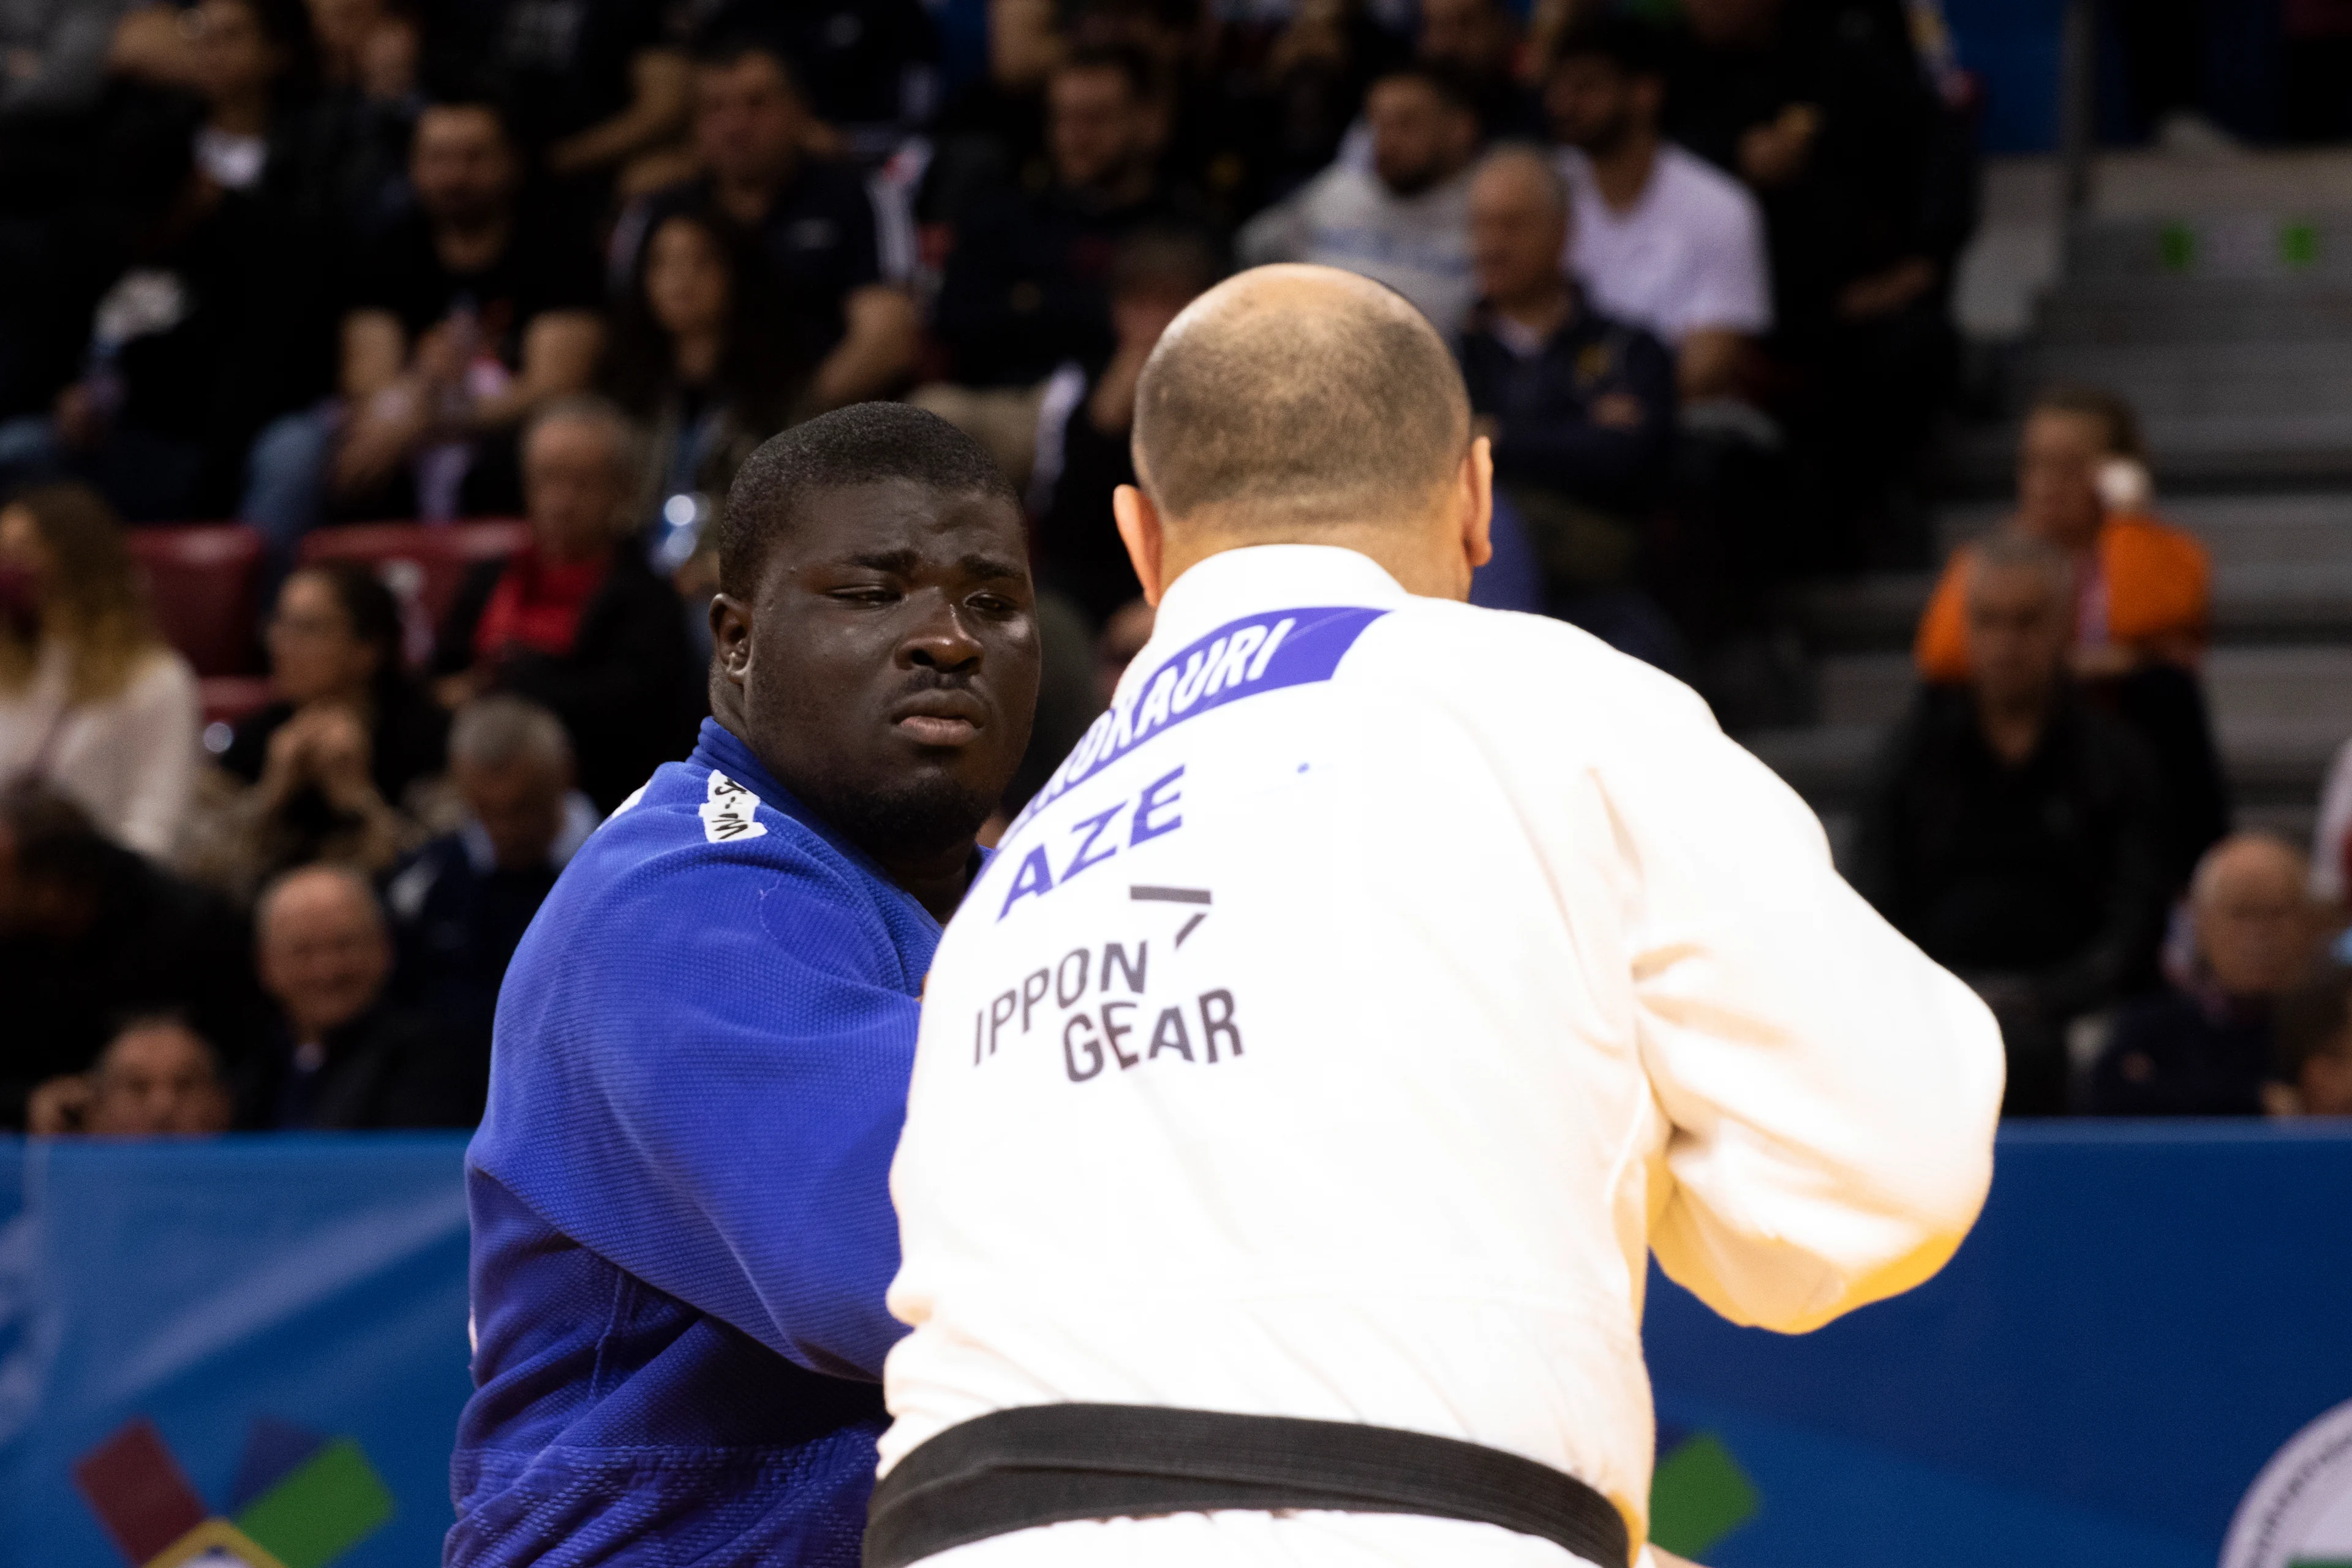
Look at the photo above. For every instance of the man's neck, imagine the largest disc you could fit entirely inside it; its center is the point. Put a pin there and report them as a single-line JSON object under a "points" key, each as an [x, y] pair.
{"points": [[245, 115], [1540, 310], [1122, 187], [2013, 723], [1622, 170], [470, 248], [936, 879], [746, 198], [696, 359]]}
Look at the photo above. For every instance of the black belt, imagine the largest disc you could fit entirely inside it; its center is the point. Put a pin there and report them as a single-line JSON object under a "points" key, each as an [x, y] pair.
{"points": [[1045, 1464]]}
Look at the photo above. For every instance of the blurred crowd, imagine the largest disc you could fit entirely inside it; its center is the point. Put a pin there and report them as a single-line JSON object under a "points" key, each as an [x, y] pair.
{"points": [[311, 263]]}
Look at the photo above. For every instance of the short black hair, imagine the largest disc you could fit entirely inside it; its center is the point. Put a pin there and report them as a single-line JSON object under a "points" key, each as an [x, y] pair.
{"points": [[54, 839], [463, 87], [1131, 63], [864, 444], [1453, 90], [1633, 46], [734, 48]]}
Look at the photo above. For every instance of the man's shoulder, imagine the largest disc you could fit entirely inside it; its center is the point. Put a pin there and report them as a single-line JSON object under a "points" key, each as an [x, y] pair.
{"points": [[1700, 194], [1507, 665], [692, 817], [423, 869]]}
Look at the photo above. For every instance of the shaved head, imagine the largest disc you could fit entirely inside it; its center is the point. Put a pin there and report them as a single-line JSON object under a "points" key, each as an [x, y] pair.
{"points": [[1299, 396]]}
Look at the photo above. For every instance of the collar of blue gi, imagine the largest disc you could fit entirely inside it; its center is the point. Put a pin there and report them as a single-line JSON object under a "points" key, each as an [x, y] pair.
{"points": [[720, 747]]}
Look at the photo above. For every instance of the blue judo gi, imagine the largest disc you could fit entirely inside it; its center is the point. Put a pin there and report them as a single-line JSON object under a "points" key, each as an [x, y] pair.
{"points": [[682, 1228]]}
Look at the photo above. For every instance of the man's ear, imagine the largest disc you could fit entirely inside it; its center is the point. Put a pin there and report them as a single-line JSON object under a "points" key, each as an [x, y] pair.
{"points": [[1478, 511], [730, 636], [1138, 527]]}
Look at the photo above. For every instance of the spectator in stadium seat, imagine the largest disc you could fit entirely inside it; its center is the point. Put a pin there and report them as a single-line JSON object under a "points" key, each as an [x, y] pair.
{"points": [[1580, 405], [700, 361], [89, 929], [461, 903], [327, 766], [204, 321], [2143, 598], [808, 218], [1477, 43], [1662, 238], [474, 310], [2014, 831], [156, 1077], [93, 702], [1867, 182], [1026, 285], [578, 622], [1404, 221], [2204, 1048], [871, 66], [1085, 420], [590, 83], [2313, 1074], [340, 1059]]}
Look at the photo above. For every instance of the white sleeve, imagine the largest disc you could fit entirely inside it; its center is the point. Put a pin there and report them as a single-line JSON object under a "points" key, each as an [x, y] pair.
{"points": [[158, 720], [2334, 824], [1731, 275], [1832, 1092]]}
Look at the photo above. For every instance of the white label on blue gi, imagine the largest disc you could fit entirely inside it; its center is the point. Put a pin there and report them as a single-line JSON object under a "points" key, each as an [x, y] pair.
{"points": [[730, 811]]}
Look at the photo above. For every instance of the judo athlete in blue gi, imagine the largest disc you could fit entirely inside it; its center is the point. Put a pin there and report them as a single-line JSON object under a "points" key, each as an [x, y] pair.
{"points": [[682, 1227]]}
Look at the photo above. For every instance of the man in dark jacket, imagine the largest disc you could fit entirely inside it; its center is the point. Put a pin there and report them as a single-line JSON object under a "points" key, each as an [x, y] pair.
{"points": [[578, 622], [2015, 832], [1581, 408], [461, 903], [342, 1059], [89, 931], [1027, 284], [2202, 1047]]}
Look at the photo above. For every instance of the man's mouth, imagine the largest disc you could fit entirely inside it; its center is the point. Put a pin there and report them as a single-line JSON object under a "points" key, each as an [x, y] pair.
{"points": [[940, 718]]}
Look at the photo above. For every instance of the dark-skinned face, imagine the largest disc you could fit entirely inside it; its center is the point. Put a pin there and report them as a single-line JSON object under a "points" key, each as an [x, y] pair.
{"points": [[886, 670]]}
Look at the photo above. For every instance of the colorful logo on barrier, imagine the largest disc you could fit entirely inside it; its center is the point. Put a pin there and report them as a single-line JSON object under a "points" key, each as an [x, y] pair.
{"points": [[2298, 1513], [300, 1501], [1698, 1493]]}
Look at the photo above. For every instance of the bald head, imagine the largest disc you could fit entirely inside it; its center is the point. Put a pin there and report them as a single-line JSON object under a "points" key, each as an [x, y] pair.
{"points": [[1300, 396], [2252, 918]]}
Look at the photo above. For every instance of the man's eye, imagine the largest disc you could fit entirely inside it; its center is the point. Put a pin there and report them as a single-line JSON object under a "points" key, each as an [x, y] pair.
{"points": [[994, 604], [868, 595]]}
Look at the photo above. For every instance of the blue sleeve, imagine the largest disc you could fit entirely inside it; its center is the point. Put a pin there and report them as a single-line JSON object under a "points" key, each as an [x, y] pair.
{"points": [[701, 1076]]}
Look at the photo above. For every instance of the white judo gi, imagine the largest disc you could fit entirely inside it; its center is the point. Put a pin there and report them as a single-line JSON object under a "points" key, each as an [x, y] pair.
{"points": [[1368, 994]]}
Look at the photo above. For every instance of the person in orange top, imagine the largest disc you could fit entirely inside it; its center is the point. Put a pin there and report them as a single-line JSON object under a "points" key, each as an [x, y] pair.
{"points": [[2143, 602], [2144, 589]]}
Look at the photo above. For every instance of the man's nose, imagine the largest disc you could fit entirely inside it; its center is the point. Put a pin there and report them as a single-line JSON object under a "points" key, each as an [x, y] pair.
{"points": [[942, 641]]}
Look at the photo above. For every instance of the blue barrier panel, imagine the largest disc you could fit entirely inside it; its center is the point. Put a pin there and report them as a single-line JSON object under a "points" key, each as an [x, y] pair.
{"points": [[289, 1313], [2146, 1314]]}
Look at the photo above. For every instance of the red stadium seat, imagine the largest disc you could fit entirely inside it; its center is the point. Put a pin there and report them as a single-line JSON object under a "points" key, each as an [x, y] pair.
{"points": [[204, 582], [424, 564], [230, 698]]}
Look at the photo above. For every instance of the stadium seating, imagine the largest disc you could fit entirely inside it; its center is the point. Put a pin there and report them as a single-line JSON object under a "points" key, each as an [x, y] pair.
{"points": [[204, 582], [422, 564]]}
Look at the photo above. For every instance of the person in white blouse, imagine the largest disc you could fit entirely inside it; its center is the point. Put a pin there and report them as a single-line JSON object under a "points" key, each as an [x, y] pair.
{"points": [[93, 702]]}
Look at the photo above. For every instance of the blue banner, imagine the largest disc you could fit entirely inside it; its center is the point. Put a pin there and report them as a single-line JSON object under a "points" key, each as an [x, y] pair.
{"points": [[2146, 1316], [246, 1342], [256, 1348]]}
